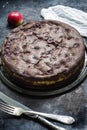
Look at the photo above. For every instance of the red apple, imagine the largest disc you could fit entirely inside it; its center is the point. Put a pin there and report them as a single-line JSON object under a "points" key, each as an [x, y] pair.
{"points": [[15, 19]]}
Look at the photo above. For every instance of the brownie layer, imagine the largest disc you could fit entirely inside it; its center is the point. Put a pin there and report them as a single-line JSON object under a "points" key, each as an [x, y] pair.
{"points": [[43, 53]]}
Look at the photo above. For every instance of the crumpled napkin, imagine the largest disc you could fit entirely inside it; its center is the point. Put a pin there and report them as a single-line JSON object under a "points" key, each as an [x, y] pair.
{"points": [[74, 17]]}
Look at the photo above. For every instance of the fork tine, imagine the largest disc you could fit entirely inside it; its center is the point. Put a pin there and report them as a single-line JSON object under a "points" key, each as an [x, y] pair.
{"points": [[6, 108], [6, 105]]}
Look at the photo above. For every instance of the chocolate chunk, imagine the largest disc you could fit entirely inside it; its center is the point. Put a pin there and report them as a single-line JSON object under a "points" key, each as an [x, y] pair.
{"points": [[24, 46], [38, 25], [67, 30], [50, 40], [76, 45], [46, 37], [50, 71], [70, 37], [36, 47], [62, 62]]}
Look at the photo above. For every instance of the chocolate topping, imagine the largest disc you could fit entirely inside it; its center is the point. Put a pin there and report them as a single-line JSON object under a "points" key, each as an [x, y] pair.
{"points": [[43, 49]]}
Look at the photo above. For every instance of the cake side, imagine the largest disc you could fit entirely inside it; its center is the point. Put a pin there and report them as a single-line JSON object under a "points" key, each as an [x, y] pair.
{"points": [[43, 53], [48, 83]]}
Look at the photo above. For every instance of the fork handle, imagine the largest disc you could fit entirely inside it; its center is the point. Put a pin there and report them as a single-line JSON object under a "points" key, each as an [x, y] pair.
{"points": [[60, 118], [46, 122]]}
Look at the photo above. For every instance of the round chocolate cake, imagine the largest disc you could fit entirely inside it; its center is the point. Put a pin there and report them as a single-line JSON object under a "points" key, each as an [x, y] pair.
{"points": [[44, 54]]}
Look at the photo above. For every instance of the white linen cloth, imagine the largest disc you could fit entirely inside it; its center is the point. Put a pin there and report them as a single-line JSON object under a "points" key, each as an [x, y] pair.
{"points": [[74, 17]]}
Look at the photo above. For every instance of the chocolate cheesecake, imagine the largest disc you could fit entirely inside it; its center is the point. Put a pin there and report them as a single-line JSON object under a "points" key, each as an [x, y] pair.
{"points": [[42, 55]]}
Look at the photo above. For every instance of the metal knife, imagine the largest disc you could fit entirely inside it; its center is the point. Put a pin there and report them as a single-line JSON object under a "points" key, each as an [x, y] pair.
{"points": [[44, 121]]}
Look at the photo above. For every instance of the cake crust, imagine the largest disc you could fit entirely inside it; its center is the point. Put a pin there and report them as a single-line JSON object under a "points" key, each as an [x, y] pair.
{"points": [[43, 53]]}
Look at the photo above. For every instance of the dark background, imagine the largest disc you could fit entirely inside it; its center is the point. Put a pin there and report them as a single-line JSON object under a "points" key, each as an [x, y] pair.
{"points": [[73, 103]]}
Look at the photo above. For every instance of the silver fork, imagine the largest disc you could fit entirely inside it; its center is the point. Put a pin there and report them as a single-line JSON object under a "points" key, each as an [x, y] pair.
{"points": [[17, 111]]}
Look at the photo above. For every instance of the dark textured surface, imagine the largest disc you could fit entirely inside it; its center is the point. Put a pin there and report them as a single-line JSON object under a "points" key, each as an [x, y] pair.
{"points": [[73, 103]]}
